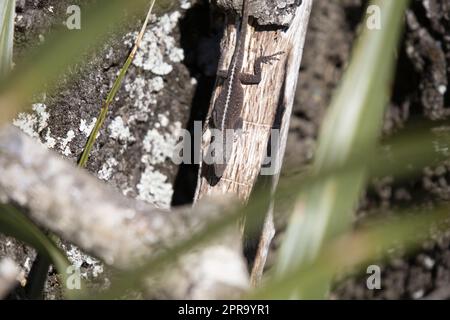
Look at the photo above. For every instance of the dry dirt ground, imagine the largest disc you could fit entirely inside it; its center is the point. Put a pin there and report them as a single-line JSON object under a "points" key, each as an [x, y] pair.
{"points": [[160, 98]]}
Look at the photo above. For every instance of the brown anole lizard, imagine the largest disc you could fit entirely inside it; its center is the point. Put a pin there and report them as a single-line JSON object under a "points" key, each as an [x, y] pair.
{"points": [[226, 114]]}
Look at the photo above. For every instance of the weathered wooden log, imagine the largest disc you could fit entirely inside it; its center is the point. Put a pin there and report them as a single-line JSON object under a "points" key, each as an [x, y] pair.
{"points": [[267, 106]]}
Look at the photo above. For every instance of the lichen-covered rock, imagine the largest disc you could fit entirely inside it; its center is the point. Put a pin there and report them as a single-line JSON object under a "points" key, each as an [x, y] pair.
{"points": [[132, 151]]}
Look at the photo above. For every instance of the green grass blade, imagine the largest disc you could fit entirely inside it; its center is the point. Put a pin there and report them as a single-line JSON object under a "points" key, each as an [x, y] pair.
{"points": [[356, 251], [136, 279], [42, 68], [352, 125], [7, 10], [110, 98], [415, 147], [14, 223], [402, 156], [37, 277]]}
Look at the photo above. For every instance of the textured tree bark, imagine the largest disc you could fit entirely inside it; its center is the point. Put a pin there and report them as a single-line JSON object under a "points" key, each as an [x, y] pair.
{"points": [[75, 205], [267, 106]]}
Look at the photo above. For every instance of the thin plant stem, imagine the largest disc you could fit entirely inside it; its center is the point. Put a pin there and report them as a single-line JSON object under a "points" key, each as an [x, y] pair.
{"points": [[117, 83]]}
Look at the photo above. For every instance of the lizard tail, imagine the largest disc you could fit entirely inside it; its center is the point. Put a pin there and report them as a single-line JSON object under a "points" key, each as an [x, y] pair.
{"points": [[223, 154]]}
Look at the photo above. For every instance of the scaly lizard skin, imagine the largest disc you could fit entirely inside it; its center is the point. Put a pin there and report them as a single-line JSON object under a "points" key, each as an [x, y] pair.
{"points": [[228, 106]]}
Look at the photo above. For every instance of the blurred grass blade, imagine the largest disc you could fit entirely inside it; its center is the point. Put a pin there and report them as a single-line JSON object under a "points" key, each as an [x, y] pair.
{"points": [[402, 156], [414, 147], [357, 250], [136, 279], [37, 277], [116, 86], [13, 223], [41, 69], [7, 10], [352, 125]]}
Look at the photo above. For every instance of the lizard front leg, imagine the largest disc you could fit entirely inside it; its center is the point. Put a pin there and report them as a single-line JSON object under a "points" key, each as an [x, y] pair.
{"points": [[255, 78]]}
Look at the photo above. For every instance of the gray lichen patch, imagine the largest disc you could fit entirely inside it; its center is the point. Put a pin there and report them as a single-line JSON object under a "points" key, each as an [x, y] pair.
{"points": [[157, 44], [160, 147], [86, 128], [64, 146], [119, 131], [154, 187], [36, 122], [107, 169], [32, 124], [143, 124], [88, 266]]}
